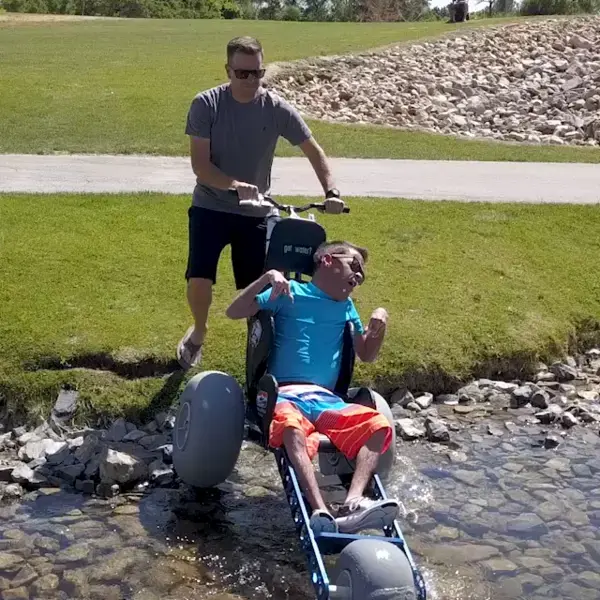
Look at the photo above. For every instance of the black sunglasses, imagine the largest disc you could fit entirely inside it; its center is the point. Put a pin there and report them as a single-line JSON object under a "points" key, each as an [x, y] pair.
{"points": [[355, 264], [245, 73]]}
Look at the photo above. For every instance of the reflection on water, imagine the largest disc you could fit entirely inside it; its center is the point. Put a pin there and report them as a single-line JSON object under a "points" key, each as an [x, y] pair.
{"points": [[497, 519]]}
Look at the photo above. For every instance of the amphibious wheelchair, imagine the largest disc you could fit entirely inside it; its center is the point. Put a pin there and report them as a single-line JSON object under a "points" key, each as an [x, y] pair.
{"points": [[215, 415]]}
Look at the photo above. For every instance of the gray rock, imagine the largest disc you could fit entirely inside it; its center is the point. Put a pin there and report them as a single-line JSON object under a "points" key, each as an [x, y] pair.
{"points": [[65, 405], [563, 371], [401, 397], [167, 453], [447, 399], [86, 486], [470, 393], [40, 449], [540, 399], [160, 474], [107, 490], [527, 524], [13, 490], [57, 458], [24, 576], [552, 441], [408, 430], [414, 407], [153, 442], [19, 431], [500, 566], [119, 467], [117, 431], [135, 435], [436, 430], [495, 430], [568, 420], [505, 386], [424, 400], [521, 396], [43, 586], [25, 476], [70, 473], [91, 445], [550, 415]]}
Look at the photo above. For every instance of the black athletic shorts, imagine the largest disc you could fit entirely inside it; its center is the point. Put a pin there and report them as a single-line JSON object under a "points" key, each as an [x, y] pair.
{"points": [[211, 230]]}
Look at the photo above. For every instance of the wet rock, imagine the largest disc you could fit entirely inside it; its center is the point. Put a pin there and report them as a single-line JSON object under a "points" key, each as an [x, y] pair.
{"points": [[86, 486], [408, 430], [25, 476], [152, 442], [167, 453], [528, 524], [447, 399], [568, 420], [77, 583], [500, 566], [424, 400], [108, 490], [521, 396], [10, 562], [436, 430], [70, 473], [13, 491], [401, 397], [118, 467], [161, 474], [24, 576], [414, 407], [45, 585], [540, 399], [495, 430], [74, 553], [563, 372], [550, 415], [464, 409], [57, 458], [470, 394], [47, 544], [19, 593], [472, 478], [551, 441]]}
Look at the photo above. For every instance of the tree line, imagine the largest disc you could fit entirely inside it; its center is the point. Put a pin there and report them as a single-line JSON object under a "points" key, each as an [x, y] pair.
{"points": [[292, 10]]}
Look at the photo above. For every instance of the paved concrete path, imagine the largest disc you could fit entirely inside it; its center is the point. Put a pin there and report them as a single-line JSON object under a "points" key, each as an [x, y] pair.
{"points": [[427, 180]]}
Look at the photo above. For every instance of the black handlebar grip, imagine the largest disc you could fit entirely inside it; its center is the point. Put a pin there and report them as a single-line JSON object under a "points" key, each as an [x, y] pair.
{"points": [[346, 209]]}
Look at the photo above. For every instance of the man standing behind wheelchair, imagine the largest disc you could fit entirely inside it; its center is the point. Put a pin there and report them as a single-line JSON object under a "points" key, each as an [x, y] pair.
{"points": [[310, 319], [234, 129]]}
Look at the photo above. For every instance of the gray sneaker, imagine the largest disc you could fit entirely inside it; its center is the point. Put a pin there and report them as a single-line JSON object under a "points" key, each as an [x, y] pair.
{"points": [[322, 522], [364, 513]]}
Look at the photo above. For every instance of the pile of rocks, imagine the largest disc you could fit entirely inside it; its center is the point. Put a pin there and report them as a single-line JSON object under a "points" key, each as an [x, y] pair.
{"points": [[563, 395], [103, 462], [535, 82]]}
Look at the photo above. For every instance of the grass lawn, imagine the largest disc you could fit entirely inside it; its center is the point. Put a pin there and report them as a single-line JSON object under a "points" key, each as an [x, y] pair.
{"points": [[96, 282], [125, 86]]}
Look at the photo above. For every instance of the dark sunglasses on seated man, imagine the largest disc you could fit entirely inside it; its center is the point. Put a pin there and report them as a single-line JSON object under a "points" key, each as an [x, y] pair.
{"points": [[355, 264], [245, 73]]}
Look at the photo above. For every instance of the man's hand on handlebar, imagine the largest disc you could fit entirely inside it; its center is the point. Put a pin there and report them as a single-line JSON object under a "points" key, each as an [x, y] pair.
{"points": [[246, 191]]}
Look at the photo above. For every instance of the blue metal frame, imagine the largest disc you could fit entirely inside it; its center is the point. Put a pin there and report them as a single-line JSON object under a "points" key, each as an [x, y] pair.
{"points": [[315, 546]]}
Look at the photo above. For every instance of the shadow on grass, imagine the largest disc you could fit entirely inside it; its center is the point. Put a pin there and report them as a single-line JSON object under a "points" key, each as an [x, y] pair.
{"points": [[102, 361]]}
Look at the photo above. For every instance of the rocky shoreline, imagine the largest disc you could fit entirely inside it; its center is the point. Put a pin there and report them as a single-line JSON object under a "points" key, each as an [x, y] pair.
{"points": [[562, 398], [535, 82]]}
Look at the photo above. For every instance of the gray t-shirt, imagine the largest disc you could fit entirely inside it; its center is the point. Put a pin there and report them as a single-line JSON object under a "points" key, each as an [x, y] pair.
{"points": [[243, 138]]}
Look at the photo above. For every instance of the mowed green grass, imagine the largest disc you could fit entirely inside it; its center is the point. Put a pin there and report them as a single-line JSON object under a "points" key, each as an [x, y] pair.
{"points": [[89, 279], [125, 86]]}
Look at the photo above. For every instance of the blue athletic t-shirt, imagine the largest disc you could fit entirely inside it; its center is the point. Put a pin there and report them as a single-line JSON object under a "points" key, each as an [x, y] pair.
{"points": [[308, 334]]}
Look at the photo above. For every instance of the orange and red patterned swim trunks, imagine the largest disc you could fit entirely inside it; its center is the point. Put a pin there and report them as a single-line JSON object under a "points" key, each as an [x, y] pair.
{"points": [[315, 410]]}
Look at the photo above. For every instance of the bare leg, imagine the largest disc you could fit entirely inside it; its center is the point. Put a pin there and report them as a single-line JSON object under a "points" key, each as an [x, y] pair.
{"points": [[199, 296], [295, 444], [366, 464]]}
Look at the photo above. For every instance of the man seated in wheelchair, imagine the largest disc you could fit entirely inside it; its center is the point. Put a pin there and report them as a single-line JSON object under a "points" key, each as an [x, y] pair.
{"points": [[309, 325]]}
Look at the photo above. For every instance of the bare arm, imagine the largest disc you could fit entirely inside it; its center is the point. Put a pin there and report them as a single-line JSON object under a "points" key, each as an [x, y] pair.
{"points": [[245, 304], [204, 169], [319, 162], [368, 344], [211, 175]]}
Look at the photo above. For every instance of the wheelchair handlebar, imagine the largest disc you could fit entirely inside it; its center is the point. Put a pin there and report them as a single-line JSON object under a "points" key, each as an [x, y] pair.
{"points": [[288, 208]]}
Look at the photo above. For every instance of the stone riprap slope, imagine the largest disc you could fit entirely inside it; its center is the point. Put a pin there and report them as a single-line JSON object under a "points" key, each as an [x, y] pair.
{"points": [[535, 81]]}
